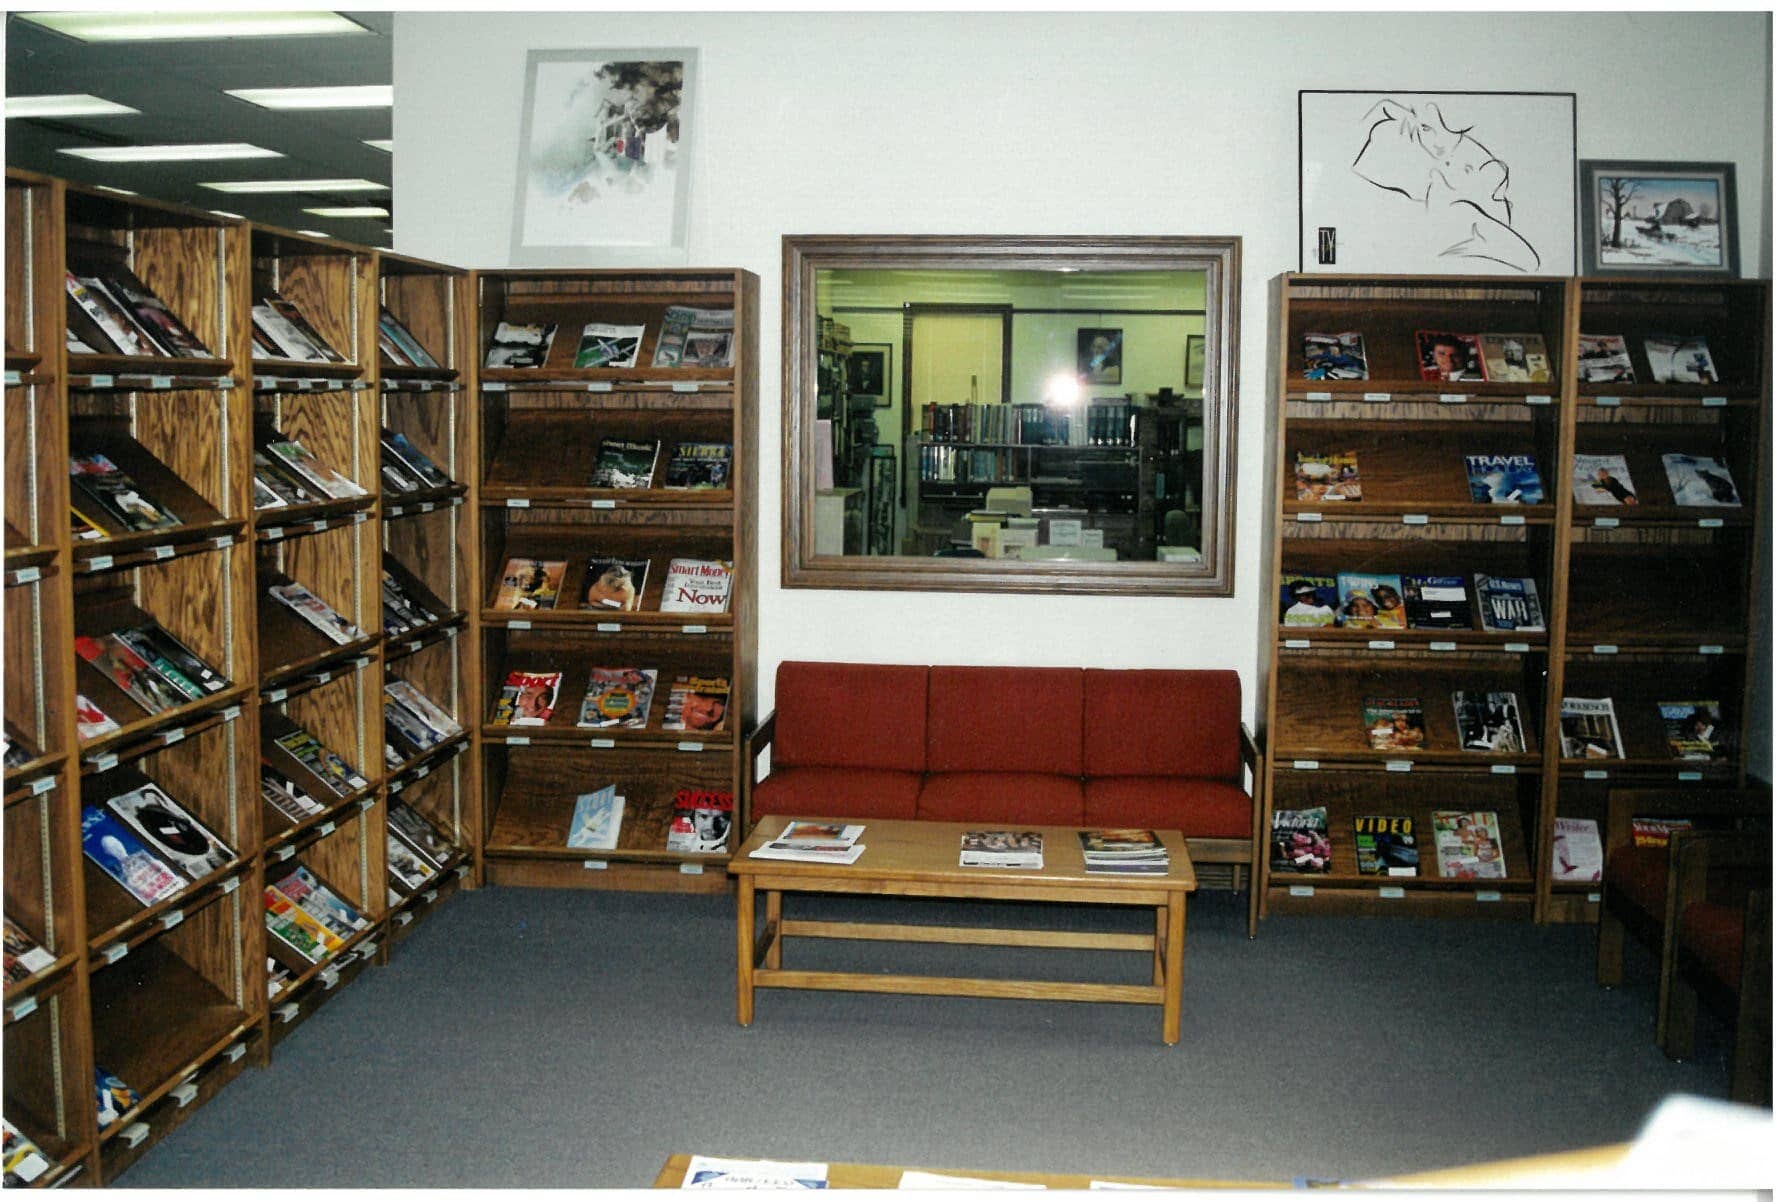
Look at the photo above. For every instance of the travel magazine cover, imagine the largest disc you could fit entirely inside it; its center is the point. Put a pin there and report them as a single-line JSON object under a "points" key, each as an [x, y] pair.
{"points": [[1504, 479]]}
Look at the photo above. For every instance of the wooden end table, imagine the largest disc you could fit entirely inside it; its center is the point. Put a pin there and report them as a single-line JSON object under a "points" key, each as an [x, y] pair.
{"points": [[921, 859]]}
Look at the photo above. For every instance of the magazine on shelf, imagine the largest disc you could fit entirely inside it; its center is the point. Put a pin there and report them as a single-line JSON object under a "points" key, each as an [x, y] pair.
{"points": [[697, 465], [116, 850], [604, 345], [265, 496], [1370, 601], [1504, 479], [112, 1096], [1385, 845], [1577, 850], [1509, 603], [1680, 360], [420, 834], [1515, 358], [156, 644], [1393, 723], [168, 830], [1437, 603], [406, 733], [520, 344], [1603, 359], [529, 583], [103, 323], [1002, 849], [335, 773], [153, 315], [616, 584], [1489, 722], [423, 707], [696, 586], [25, 1162], [117, 495], [408, 871], [1326, 477], [290, 803], [1694, 730], [625, 463], [1602, 480], [697, 703], [1299, 840], [618, 697], [285, 326], [1468, 845], [399, 446], [527, 698], [1448, 356], [402, 611], [317, 612], [1657, 832], [695, 337], [90, 720], [402, 339], [320, 902], [164, 668], [25, 957], [295, 930], [1334, 356], [1700, 480], [1308, 600], [702, 820], [272, 476], [596, 820], [1587, 729], [128, 671], [306, 465]]}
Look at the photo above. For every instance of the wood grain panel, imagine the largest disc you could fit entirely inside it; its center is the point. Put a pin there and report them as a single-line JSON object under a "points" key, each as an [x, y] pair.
{"points": [[540, 784], [183, 266], [29, 867], [323, 286], [204, 774], [559, 451], [332, 714], [423, 546], [423, 303], [23, 208], [427, 419], [187, 431]]}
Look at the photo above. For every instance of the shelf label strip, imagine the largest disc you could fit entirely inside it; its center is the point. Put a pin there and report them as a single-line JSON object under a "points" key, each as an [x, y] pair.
{"points": [[518, 741], [287, 1013], [1517, 647], [1537, 398], [689, 746], [134, 1134], [404, 918], [183, 1094], [42, 785], [106, 762], [1452, 398], [603, 504], [1713, 402], [1302, 891], [692, 869], [1376, 396], [115, 952], [234, 1052], [172, 919], [1487, 895], [1503, 770], [1381, 645], [594, 865], [231, 885], [1606, 523], [1444, 646], [1512, 519], [98, 563], [1710, 649], [1415, 519], [1605, 649], [1399, 765], [1689, 776], [27, 575], [601, 744], [21, 1008], [1308, 517], [1608, 402], [1595, 774], [1391, 892], [1318, 396], [1710, 523], [1305, 765], [1297, 644], [519, 503], [607, 627]]}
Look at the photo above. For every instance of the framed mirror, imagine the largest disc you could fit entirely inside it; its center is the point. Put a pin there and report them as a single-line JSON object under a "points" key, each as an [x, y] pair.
{"points": [[1009, 414]]}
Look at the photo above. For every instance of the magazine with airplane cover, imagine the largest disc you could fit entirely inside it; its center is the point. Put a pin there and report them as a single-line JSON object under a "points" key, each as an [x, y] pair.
{"points": [[1680, 360], [420, 833], [697, 703], [403, 341], [1468, 845], [423, 707], [1335, 356], [1700, 480], [1437, 603], [1504, 479], [1371, 601], [118, 496], [288, 330], [116, 850], [618, 697], [90, 720], [1602, 480], [529, 583], [605, 345], [1002, 849], [616, 584], [1393, 723], [702, 820], [595, 823], [1577, 850], [520, 344], [1308, 600], [1489, 722], [1603, 359], [1587, 729], [1447, 356], [1515, 358], [527, 699], [168, 830], [1299, 840], [402, 448], [1509, 603], [698, 465], [307, 465], [625, 463], [128, 671], [1385, 845], [334, 773], [100, 317], [696, 586], [320, 902], [316, 612], [1695, 730], [1326, 477], [695, 337], [153, 315]]}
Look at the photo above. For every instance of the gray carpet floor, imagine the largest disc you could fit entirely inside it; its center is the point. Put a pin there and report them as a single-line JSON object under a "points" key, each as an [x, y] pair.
{"points": [[562, 1038]]}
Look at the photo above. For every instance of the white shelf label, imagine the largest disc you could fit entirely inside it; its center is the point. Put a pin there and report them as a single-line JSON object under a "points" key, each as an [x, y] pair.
{"points": [[1453, 398], [223, 541], [692, 869], [321, 524], [607, 627], [284, 853], [1415, 519], [519, 503], [404, 918], [1487, 895], [231, 885], [694, 629], [1376, 396], [413, 645], [106, 762], [21, 1008], [1713, 402], [42, 785], [1444, 646], [600, 386], [1391, 892], [1381, 645], [1608, 402], [98, 563], [1710, 649], [364, 661], [1593, 897], [519, 624], [327, 828], [329, 979], [1308, 517], [1606, 523], [1605, 649], [431, 896], [160, 381], [1297, 644], [234, 1052], [518, 741], [1302, 891], [115, 952], [1503, 770], [1398, 765], [426, 507], [184, 1094], [232, 713], [1537, 398], [1710, 523], [1595, 774], [422, 771], [601, 744], [1305, 765], [276, 695], [323, 678], [463, 871], [13, 378], [172, 919], [603, 504], [272, 533], [134, 1134], [494, 387], [677, 386], [99, 381], [594, 865], [689, 746], [367, 950], [27, 575], [1512, 519], [287, 1013], [1318, 396], [169, 738], [1521, 647], [365, 804], [1689, 776]]}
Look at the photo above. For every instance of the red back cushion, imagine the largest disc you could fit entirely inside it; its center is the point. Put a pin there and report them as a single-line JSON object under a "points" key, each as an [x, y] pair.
{"points": [[1005, 720], [1162, 722], [850, 715]]}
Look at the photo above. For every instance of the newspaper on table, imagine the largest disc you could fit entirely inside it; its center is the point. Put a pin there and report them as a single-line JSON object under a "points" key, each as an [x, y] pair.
{"points": [[715, 1172]]}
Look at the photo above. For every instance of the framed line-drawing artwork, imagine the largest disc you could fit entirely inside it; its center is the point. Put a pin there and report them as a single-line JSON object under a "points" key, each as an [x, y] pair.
{"points": [[1657, 219], [604, 156], [1438, 183], [869, 372]]}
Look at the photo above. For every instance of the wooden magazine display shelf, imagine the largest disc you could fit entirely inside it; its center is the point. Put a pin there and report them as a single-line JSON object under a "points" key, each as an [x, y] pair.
{"points": [[542, 427], [1426, 508]]}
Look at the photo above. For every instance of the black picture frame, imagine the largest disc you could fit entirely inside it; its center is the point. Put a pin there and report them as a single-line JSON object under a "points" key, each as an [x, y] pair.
{"points": [[881, 500], [869, 372], [1666, 244], [1098, 355]]}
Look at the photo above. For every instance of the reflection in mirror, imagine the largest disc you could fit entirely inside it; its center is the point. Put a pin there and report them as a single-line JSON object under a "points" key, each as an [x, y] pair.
{"points": [[1021, 414]]}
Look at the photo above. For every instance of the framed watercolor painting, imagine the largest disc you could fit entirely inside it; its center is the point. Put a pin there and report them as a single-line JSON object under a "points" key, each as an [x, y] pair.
{"points": [[605, 143], [1437, 183], [1657, 219]]}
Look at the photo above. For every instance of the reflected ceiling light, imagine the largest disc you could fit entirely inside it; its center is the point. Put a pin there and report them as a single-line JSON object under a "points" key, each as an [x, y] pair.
{"points": [[188, 152], [1063, 389], [350, 211], [79, 104], [387, 145], [265, 186], [315, 234], [176, 26], [227, 213], [118, 191], [358, 96]]}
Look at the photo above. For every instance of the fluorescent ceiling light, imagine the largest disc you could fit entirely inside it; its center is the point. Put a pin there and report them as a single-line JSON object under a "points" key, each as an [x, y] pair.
{"points": [[79, 104], [315, 234], [189, 152], [257, 186], [351, 211], [227, 213], [174, 26], [119, 191], [387, 145], [363, 96]]}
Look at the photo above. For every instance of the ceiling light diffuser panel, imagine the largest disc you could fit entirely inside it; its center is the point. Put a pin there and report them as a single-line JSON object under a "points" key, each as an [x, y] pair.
{"points": [[150, 26], [188, 152], [272, 186], [364, 96], [79, 104]]}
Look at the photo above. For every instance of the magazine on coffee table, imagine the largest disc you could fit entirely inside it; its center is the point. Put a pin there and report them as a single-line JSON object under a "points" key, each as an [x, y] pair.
{"points": [[815, 843]]}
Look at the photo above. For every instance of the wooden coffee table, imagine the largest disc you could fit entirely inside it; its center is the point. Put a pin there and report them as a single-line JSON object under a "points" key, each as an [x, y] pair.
{"points": [[921, 859]]}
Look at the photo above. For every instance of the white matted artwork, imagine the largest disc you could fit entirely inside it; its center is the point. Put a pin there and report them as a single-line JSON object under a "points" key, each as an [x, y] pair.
{"points": [[1438, 183], [605, 144]]}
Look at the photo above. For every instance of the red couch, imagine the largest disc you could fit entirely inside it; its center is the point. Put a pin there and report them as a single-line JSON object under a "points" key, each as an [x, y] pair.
{"points": [[1050, 746]]}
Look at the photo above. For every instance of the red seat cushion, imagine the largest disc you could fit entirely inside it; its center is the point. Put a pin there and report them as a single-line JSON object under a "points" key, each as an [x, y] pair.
{"points": [[1160, 722], [1200, 809], [837, 793], [850, 715], [1006, 720], [1639, 874], [1004, 798], [1715, 935]]}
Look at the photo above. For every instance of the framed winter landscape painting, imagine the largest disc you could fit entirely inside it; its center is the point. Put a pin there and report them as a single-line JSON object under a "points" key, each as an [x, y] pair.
{"points": [[605, 143], [1658, 219], [1437, 183]]}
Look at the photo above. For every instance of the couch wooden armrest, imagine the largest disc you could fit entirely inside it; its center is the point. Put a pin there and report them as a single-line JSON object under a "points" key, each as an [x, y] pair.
{"points": [[757, 741], [1247, 748]]}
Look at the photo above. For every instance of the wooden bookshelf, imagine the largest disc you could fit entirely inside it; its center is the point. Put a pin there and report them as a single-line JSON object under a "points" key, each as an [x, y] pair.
{"points": [[1640, 601], [536, 501]]}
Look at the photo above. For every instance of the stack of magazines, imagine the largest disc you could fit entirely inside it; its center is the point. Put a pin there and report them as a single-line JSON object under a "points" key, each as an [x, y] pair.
{"points": [[814, 843], [1123, 851], [1002, 849]]}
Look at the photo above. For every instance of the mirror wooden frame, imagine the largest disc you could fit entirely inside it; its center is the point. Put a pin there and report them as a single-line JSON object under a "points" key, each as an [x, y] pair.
{"points": [[802, 256]]}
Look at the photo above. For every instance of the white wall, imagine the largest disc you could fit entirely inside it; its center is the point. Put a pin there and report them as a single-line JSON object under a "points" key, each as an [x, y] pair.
{"points": [[823, 123]]}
